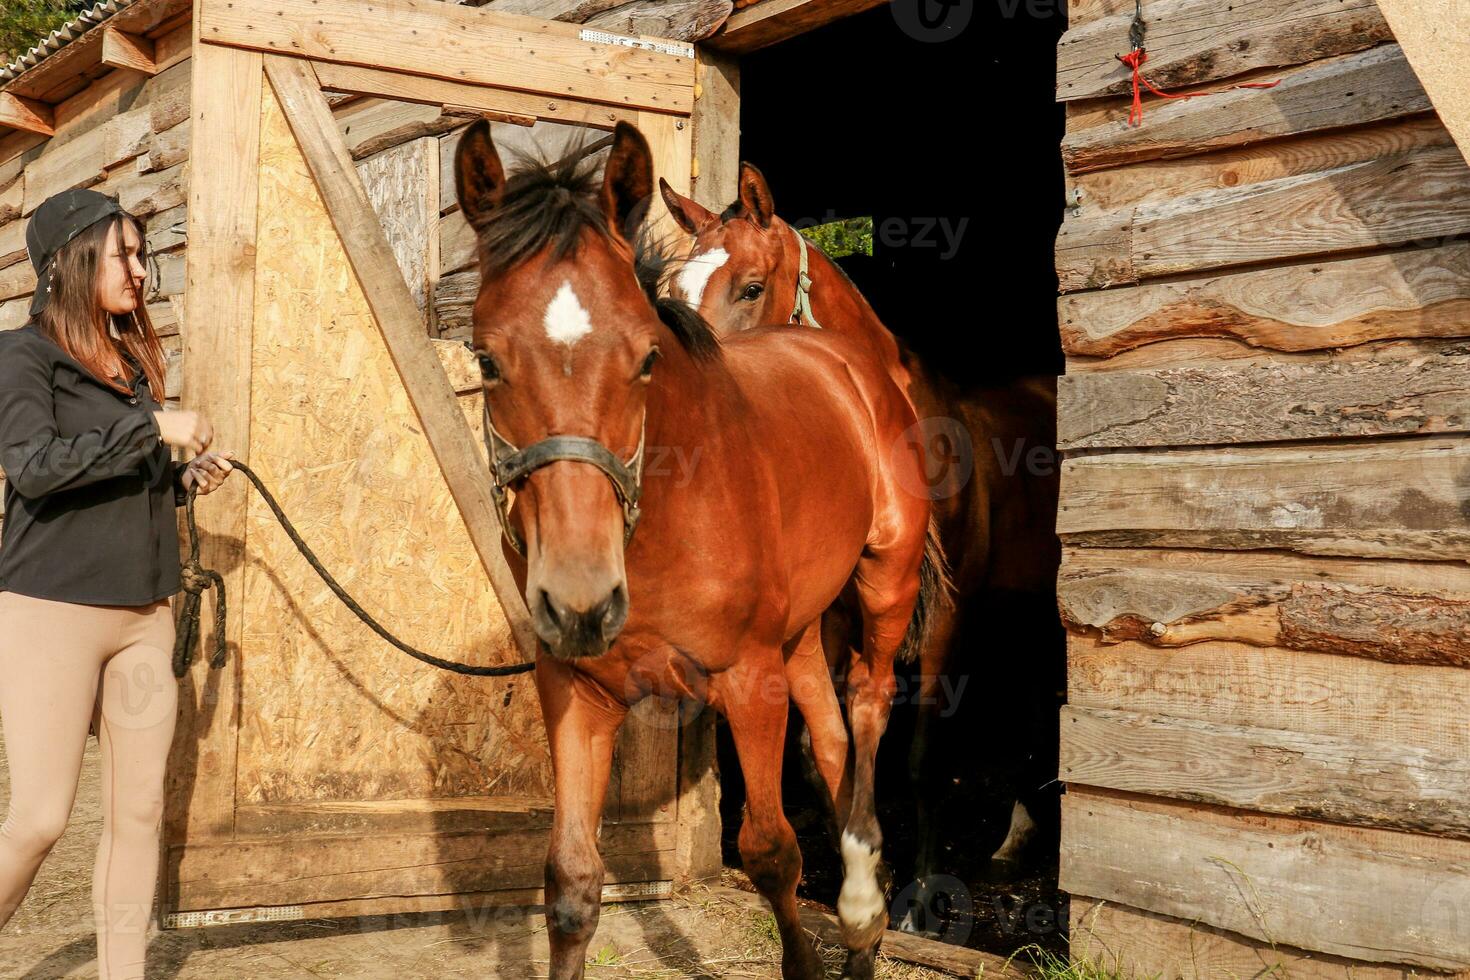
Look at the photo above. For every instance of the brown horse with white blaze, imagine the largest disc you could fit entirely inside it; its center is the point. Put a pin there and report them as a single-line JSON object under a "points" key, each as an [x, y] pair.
{"points": [[749, 269], [797, 492]]}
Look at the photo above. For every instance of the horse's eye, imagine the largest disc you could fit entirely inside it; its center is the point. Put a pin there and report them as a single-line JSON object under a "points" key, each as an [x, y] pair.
{"points": [[646, 370], [489, 370], [752, 292]]}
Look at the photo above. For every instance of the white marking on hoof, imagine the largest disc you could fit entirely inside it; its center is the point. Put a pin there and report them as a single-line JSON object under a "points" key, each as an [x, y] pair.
{"points": [[566, 318], [860, 905], [1023, 828], [695, 274]]}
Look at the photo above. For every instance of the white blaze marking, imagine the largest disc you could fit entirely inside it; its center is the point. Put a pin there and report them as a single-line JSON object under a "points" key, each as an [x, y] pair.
{"points": [[860, 903], [696, 273], [566, 319]]}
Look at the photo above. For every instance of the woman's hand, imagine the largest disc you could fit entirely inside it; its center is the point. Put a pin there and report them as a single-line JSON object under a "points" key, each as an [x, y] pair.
{"points": [[207, 472], [189, 431]]}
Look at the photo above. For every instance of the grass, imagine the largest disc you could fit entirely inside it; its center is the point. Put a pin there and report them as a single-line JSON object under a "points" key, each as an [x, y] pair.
{"points": [[1050, 966]]}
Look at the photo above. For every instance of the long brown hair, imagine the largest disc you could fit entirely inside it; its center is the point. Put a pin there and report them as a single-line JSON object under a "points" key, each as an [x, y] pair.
{"points": [[76, 321]]}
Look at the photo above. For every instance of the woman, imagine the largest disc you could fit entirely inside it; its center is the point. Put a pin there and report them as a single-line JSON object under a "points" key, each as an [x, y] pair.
{"points": [[89, 555]]}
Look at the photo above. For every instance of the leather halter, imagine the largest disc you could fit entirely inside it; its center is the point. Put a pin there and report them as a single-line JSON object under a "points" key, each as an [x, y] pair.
{"points": [[803, 306], [509, 464]]}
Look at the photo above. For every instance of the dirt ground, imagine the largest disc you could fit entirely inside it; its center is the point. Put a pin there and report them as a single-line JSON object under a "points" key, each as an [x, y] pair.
{"points": [[698, 934]]}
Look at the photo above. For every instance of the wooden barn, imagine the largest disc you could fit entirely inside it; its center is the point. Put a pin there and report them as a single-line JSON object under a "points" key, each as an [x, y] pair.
{"points": [[1264, 499], [1262, 309]]}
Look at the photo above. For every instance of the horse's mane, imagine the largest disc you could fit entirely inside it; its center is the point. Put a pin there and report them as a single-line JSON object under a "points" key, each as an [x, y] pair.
{"points": [[548, 204]]}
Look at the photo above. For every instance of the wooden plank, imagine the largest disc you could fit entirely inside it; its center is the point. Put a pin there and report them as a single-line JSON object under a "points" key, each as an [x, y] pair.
{"points": [[1319, 777], [306, 869], [679, 20], [12, 242], [369, 126], [1403, 388], [1394, 897], [1433, 36], [1153, 181], [1413, 707], [12, 198], [433, 400], [165, 149], [358, 80], [1417, 196], [1411, 293], [402, 183], [220, 293], [468, 45], [1194, 41], [1133, 943], [67, 71], [14, 313], [1351, 90], [17, 279], [771, 21], [906, 947], [1396, 612], [716, 125], [1398, 499], [146, 194], [25, 114], [128, 51]]}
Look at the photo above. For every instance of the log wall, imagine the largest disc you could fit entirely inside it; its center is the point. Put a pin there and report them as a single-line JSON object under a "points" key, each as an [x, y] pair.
{"points": [[1264, 299]]}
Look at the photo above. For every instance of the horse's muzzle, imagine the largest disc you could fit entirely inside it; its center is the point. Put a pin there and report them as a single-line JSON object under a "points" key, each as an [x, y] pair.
{"points": [[571, 633]]}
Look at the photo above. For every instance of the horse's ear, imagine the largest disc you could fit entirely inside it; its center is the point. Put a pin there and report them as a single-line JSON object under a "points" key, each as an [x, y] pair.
{"points": [[688, 215], [479, 178], [627, 180], [755, 196]]}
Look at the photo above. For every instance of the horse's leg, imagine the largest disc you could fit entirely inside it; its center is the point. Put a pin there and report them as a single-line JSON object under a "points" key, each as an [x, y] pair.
{"points": [[825, 742], [754, 697], [928, 782], [581, 727], [887, 591]]}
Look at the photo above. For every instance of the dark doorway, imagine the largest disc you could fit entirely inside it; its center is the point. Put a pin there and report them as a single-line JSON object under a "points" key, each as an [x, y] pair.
{"points": [[952, 148]]}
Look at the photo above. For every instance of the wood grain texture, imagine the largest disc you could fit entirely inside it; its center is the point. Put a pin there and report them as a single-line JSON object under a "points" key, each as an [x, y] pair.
{"points": [[1423, 292], [358, 80], [319, 869], [1403, 388], [1156, 181], [1411, 707], [398, 319], [1319, 777], [1351, 90], [225, 133], [1395, 612], [771, 21], [1418, 196], [402, 183], [1394, 897], [369, 126], [1193, 41], [131, 52], [468, 45], [330, 712], [28, 115], [716, 123], [1145, 944], [1389, 499], [680, 20]]}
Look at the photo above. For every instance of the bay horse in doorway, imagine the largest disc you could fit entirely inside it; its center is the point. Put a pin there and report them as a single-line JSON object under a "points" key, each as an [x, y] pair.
{"points": [[798, 492], [747, 269]]}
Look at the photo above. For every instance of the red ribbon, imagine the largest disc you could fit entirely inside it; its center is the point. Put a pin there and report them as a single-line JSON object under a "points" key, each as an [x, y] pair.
{"points": [[1135, 59]]}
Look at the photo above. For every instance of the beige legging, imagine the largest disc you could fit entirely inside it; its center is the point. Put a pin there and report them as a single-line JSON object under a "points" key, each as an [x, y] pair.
{"points": [[61, 664]]}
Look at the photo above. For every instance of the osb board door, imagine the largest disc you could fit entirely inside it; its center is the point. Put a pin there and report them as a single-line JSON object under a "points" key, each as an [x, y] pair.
{"points": [[365, 780]]}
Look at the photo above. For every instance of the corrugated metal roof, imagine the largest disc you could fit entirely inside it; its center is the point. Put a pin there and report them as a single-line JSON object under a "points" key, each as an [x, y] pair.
{"points": [[62, 36]]}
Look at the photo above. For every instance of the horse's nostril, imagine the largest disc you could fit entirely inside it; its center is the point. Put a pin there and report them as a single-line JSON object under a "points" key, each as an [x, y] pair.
{"points": [[549, 604], [614, 612]]}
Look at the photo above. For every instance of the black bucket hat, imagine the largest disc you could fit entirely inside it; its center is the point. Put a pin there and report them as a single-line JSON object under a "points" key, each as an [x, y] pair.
{"points": [[59, 219]]}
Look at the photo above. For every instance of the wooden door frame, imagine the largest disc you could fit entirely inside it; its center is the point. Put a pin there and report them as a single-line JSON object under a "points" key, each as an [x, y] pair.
{"points": [[412, 52]]}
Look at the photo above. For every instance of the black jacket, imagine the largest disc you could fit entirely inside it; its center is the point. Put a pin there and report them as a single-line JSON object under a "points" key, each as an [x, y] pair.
{"points": [[90, 487]]}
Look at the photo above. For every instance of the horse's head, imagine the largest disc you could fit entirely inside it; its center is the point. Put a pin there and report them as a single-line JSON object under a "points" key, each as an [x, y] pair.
{"points": [[742, 268], [567, 338]]}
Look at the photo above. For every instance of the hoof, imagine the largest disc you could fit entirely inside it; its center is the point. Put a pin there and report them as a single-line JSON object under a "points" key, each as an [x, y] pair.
{"points": [[859, 965], [911, 925]]}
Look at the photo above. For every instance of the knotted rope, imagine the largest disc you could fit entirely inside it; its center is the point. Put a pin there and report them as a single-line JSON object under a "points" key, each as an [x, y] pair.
{"points": [[195, 579]]}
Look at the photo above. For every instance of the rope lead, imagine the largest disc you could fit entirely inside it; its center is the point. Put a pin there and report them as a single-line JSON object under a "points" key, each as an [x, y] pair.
{"points": [[196, 579]]}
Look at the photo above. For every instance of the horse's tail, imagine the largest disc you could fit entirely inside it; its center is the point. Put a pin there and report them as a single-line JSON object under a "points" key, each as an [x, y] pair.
{"points": [[936, 587]]}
